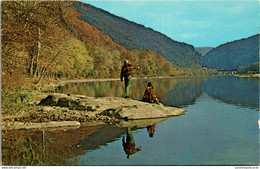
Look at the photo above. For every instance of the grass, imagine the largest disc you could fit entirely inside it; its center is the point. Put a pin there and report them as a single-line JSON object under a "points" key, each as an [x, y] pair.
{"points": [[15, 103]]}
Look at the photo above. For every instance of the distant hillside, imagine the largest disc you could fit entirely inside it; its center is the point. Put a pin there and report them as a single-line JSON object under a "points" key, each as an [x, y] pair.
{"points": [[232, 54], [135, 36], [203, 50]]}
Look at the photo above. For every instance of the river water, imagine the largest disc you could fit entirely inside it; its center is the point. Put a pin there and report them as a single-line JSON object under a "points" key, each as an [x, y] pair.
{"points": [[220, 127]]}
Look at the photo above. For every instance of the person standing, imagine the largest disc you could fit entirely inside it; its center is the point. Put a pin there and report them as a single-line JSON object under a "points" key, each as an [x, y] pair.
{"points": [[127, 75]]}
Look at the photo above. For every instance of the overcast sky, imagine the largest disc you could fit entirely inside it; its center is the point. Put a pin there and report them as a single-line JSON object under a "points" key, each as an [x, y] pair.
{"points": [[199, 23]]}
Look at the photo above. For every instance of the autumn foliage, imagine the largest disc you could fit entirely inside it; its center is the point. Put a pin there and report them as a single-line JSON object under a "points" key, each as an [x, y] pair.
{"points": [[45, 39]]}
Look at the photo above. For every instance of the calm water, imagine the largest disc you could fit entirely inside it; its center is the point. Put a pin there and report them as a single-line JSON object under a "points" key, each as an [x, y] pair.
{"points": [[219, 128]]}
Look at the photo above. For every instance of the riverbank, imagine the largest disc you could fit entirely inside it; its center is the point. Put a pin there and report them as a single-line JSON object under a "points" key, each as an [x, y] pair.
{"points": [[50, 86], [28, 111], [248, 75], [60, 110]]}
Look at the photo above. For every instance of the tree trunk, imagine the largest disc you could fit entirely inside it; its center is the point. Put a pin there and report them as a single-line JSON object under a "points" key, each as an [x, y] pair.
{"points": [[45, 69], [36, 72], [38, 52], [31, 66]]}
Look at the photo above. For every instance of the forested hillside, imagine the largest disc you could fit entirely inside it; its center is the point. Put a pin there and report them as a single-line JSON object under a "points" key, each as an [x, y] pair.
{"points": [[230, 55], [203, 50], [44, 41], [46, 38], [135, 36]]}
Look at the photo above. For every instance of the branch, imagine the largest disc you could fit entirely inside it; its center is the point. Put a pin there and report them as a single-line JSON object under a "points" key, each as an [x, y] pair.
{"points": [[45, 70]]}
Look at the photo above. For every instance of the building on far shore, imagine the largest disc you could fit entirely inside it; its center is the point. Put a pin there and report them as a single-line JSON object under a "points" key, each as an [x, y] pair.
{"points": [[225, 72]]}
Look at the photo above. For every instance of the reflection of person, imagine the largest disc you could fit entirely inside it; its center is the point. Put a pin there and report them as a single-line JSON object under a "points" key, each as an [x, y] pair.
{"points": [[151, 129], [129, 143], [149, 95], [126, 73]]}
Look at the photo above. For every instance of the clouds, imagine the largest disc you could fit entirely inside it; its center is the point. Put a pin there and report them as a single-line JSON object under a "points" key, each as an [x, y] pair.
{"points": [[193, 22]]}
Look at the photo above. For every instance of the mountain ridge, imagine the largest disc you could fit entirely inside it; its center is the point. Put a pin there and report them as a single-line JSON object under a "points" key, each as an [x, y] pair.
{"points": [[230, 55], [132, 36], [203, 50]]}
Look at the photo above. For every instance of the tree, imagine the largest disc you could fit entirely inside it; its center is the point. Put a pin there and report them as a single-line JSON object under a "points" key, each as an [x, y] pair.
{"points": [[240, 68], [36, 38]]}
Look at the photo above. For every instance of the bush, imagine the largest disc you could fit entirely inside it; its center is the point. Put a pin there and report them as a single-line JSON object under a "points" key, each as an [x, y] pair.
{"points": [[13, 102]]}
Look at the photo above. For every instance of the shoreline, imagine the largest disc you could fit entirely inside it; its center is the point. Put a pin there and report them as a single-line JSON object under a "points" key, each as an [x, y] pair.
{"points": [[248, 76], [53, 110], [61, 82], [54, 84], [13, 122]]}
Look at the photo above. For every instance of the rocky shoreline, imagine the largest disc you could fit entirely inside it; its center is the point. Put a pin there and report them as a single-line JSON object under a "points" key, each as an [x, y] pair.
{"points": [[60, 110]]}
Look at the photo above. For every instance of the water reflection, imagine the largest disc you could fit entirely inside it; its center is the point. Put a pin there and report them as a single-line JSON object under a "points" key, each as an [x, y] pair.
{"points": [[151, 129], [52, 146], [172, 92], [177, 92], [105, 135], [43, 147], [228, 126], [62, 146], [185, 92], [238, 91], [129, 143]]}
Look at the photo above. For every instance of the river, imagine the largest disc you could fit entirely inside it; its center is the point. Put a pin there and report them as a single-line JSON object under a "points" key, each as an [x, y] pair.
{"points": [[220, 127]]}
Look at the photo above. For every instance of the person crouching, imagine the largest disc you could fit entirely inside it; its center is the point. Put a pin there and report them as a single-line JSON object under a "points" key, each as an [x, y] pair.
{"points": [[149, 95]]}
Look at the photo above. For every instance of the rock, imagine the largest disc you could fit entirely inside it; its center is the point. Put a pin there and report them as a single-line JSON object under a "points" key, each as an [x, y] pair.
{"points": [[75, 103], [113, 106], [45, 119], [20, 125], [144, 111], [47, 109], [55, 117], [50, 100], [91, 108], [65, 102]]}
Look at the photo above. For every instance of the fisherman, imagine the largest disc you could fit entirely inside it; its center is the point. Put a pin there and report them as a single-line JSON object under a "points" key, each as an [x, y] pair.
{"points": [[149, 95], [126, 73], [129, 143]]}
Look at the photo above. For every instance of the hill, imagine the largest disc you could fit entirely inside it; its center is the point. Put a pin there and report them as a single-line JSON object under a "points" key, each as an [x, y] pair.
{"points": [[135, 36], [203, 50], [62, 46], [68, 48], [230, 55]]}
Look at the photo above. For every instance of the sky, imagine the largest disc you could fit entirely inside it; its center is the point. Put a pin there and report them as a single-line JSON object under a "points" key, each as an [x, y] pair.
{"points": [[199, 23]]}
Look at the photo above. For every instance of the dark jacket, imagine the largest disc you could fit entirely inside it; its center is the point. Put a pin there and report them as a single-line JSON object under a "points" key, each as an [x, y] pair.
{"points": [[127, 69]]}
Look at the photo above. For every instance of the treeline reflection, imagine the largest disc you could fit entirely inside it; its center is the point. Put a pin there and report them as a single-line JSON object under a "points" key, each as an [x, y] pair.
{"points": [[177, 91], [233, 90], [54, 147], [170, 91], [63, 147]]}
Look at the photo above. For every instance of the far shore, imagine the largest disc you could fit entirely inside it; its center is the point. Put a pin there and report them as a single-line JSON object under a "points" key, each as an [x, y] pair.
{"points": [[63, 82], [246, 75], [117, 79]]}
